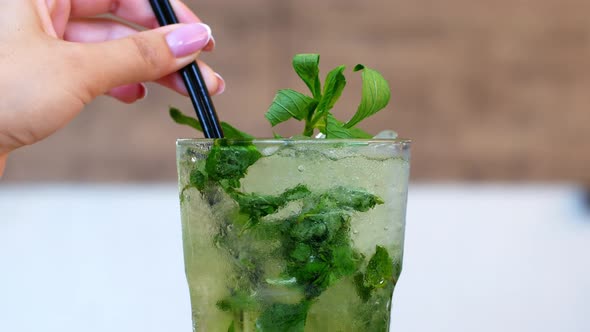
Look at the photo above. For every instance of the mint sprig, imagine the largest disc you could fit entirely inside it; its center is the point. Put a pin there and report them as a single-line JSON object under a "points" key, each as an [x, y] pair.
{"points": [[316, 111], [318, 116]]}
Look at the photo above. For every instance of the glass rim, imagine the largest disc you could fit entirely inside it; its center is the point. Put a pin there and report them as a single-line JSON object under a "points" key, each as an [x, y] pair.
{"points": [[404, 142]]}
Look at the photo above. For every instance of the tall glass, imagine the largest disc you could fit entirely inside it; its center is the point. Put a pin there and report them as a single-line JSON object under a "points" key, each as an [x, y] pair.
{"points": [[292, 235]]}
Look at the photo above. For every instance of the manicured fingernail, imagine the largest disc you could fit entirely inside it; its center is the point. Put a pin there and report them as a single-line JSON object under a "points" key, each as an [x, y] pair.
{"points": [[220, 84], [188, 39], [143, 92]]}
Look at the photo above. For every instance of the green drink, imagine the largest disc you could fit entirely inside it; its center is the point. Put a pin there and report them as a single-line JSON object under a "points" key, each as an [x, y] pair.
{"points": [[292, 235]]}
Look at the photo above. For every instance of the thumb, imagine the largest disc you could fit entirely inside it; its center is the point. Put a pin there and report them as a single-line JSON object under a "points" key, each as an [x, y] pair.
{"points": [[141, 57]]}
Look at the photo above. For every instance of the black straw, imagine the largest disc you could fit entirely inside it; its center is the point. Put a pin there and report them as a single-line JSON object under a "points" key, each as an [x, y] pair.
{"points": [[192, 77]]}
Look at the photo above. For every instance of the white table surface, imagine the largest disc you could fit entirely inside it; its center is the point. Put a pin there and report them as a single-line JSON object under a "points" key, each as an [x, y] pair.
{"points": [[478, 258]]}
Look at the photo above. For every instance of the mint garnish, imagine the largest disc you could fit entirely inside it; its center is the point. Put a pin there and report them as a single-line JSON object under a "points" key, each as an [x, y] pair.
{"points": [[316, 111]]}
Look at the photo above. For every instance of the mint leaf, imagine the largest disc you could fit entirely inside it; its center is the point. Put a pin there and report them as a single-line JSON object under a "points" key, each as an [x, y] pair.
{"points": [[289, 104], [380, 273], [182, 119], [363, 291], [238, 301], [228, 164], [336, 129], [321, 225], [280, 317], [198, 178], [380, 269], [321, 253], [296, 193], [257, 206], [376, 95], [345, 260], [307, 67], [229, 131], [358, 200], [301, 253], [342, 198], [335, 83]]}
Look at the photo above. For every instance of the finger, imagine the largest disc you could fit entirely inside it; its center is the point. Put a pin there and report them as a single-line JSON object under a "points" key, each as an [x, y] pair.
{"points": [[99, 30], [59, 12], [136, 11], [129, 93], [144, 56], [215, 83], [95, 30], [210, 46]]}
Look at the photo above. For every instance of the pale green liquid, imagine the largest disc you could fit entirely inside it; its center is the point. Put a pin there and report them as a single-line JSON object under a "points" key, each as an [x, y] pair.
{"points": [[379, 170]]}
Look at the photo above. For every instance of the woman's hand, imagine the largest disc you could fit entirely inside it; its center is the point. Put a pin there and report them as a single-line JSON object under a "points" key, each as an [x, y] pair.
{"points": [[56, 57]]}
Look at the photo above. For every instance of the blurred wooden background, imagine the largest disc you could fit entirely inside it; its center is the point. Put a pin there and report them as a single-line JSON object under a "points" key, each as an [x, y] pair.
{"points": [[494, 90]]}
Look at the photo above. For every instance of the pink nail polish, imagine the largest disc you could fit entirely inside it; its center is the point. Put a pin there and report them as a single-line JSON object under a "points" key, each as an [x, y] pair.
{"points": [[188, 39], [143, 92]]}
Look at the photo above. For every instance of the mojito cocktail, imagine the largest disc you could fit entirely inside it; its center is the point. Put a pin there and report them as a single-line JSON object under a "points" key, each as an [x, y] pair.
{"points": [[292, 235]]}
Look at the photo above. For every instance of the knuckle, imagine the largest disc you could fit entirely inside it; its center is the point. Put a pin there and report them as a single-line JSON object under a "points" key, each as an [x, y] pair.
{"points": [[75, 56], [149, 55]]}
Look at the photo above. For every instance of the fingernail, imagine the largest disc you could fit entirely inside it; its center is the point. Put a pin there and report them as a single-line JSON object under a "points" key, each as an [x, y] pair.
{"points": [[143, 92], [188, 39], [210, 45], [221, 84]]}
